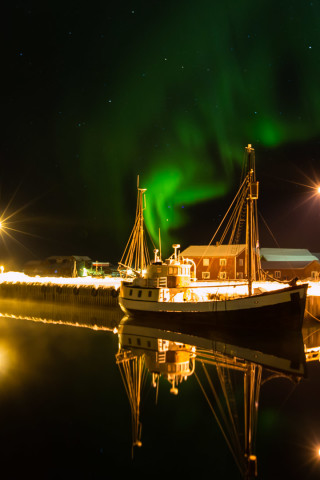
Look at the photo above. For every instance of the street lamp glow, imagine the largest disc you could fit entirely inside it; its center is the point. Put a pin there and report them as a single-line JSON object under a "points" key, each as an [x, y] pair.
{"points": [[318, 190]]}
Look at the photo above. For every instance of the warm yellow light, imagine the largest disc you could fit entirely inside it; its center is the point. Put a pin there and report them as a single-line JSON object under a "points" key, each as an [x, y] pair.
{"points": [[318, 189]]}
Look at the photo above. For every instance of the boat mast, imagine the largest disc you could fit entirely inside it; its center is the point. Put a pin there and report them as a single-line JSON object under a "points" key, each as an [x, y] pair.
{"points": [[141, 263], [252, 195], [136, 256]]}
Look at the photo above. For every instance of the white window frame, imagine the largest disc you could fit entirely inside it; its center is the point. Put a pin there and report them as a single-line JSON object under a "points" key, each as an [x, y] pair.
{"points": [[223, 262], [205, 262], [223, 275]]}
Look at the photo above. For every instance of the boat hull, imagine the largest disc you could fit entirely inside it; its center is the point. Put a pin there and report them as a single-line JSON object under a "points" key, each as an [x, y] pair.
{"points": [[271, 310]]}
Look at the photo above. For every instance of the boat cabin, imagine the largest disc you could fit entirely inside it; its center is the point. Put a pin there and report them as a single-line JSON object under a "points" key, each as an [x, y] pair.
{"points": [[175, 272]]}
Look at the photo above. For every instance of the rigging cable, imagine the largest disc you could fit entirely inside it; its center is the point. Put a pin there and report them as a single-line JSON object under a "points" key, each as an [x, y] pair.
{"points": [[236, 459]]}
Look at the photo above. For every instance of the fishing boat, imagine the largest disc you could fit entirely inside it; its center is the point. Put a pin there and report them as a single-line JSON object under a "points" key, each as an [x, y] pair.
{"points": [[170, 288]]}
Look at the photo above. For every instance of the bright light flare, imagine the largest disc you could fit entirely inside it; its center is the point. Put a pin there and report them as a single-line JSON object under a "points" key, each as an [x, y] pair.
{"points": [[15, 277], [8, 359]]}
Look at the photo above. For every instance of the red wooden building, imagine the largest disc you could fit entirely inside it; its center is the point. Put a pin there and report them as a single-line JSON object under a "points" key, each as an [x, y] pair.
{"points": [[218, 262]]}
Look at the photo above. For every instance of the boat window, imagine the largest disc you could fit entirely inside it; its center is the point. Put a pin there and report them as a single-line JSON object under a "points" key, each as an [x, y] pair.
{"points": [[205, 262], [175, 271], [170, 270], [223, 275], [205, 275], [149, 343], [130, 293], [139, 293], [240, 262], [129, 340], [277, 274], [150, 293], [138, 341], [239, 275], [223, 262]]}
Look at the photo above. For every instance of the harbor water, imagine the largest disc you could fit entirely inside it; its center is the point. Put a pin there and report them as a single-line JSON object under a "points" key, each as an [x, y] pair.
{"points": [[65, 413]]}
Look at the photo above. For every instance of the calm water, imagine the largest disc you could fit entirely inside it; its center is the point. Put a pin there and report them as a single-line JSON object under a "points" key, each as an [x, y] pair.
{"points": [[64, 412]]}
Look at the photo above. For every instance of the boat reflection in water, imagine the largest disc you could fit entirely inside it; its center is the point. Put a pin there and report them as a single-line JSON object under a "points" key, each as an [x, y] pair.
{"points": [[228, 367], [216, 358]]}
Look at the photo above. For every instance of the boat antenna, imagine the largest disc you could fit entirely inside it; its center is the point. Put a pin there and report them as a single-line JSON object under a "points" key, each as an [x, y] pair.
{"points": [[159, 244]]}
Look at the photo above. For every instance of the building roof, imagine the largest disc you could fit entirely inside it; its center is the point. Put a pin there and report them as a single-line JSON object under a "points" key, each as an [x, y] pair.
{"points": [[287, 255], [69, 257], [213, 250]]}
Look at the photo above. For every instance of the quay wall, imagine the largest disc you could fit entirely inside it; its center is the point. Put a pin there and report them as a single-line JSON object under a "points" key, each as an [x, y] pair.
{"points": [[313, 306], [69, 294]]}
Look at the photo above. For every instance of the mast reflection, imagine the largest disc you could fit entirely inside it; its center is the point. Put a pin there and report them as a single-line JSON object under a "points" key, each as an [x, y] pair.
{"points": [[216, 359], [229, 367]]}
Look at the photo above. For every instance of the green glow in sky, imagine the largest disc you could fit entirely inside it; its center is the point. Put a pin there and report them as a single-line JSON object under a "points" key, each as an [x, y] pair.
{"points": [[189, 85]]}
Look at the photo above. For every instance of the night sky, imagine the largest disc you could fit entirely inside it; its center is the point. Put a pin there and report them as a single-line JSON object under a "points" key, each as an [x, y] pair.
{"points": [[96, 93]]}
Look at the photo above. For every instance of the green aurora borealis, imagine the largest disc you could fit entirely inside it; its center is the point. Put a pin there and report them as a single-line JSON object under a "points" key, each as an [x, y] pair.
{"points": [[172, 92]]}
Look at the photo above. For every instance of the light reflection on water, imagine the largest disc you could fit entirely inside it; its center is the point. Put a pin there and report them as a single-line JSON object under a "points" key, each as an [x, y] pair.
{"points": [[64, 411]]}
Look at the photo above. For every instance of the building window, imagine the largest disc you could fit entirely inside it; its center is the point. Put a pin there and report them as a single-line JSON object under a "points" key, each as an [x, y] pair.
{"points": [[139, 293], [315, 276], [206, 262], [277, 274], [205, 275], [240, 275], [150, 293], [223, 275], [240, 262], [130, 292], [138, 341], [223, 262]]}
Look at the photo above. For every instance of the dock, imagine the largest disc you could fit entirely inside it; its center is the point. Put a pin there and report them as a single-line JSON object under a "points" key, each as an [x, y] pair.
{"points": [[101, 292]]}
